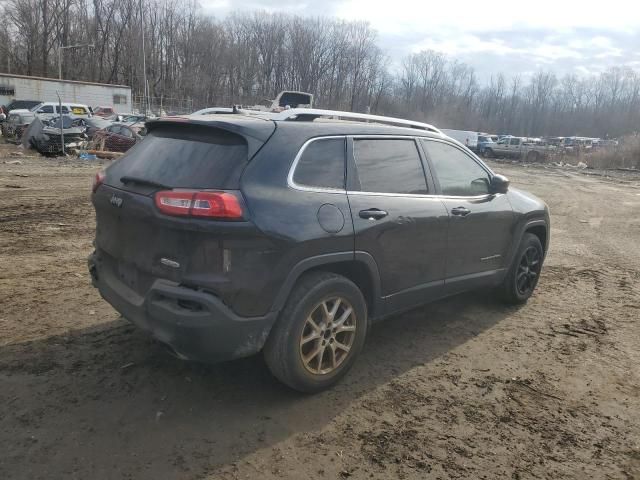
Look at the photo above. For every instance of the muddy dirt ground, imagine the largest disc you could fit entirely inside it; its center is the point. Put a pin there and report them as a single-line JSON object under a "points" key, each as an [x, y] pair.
{"points": [[465, 388]]}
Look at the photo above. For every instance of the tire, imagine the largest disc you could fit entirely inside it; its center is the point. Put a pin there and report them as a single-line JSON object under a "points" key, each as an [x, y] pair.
{"points": [[533, 156], [285, 351], [524, 265], [488, 153]]}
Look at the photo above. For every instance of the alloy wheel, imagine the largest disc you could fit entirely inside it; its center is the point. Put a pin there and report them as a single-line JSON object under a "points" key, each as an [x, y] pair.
{"points": [[328, 335], [528, 271]]}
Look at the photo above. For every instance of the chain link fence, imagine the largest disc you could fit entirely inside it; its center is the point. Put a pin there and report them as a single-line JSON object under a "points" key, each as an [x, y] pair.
{"points": [[160, 106]]}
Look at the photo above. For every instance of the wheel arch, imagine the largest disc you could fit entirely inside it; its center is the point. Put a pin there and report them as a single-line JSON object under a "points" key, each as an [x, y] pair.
{"points": [[539, 229], [359, 267]]}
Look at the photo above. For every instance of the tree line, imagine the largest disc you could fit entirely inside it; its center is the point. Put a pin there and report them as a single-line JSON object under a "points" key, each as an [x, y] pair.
{"points": [[245, 58]]}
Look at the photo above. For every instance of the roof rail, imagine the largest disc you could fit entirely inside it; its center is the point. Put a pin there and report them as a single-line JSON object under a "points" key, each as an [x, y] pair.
{"points": [[298, 113]]}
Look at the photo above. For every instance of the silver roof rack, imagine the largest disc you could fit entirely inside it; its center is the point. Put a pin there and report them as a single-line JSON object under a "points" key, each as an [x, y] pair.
{"points": [[296, 113]]}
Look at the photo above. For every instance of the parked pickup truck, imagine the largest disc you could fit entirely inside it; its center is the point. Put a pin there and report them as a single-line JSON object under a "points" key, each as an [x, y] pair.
{"points": [[523, 148]]}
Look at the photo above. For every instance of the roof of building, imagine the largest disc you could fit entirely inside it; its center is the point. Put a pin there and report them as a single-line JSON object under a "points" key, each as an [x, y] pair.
{"points": [[77, 82]]}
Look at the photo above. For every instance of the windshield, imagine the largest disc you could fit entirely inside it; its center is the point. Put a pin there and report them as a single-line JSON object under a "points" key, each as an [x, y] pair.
{"points": [[67, 122]]}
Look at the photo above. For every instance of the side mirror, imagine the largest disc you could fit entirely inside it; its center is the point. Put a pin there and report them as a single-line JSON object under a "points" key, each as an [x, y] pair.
{"points": [[499, 184]]}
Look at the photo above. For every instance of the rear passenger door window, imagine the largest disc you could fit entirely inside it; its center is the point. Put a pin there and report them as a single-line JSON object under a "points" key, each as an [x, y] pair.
{"points": [[322, 164], [389, 166], [457, 172]]}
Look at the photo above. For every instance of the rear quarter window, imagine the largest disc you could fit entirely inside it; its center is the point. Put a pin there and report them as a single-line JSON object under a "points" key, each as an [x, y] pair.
{"points": [[322, 164], [184, 156]]}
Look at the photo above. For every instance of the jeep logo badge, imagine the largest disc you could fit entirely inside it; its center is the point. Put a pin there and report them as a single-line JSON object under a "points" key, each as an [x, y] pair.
{"points": [[116, 201]]}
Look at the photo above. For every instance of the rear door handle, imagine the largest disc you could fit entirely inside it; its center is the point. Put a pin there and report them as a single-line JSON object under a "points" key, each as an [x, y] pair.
{"points": [[373, 214], [460, 211]]}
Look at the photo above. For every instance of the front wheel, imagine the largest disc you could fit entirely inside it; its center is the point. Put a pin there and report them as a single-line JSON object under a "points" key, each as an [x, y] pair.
{"points": [[319, 334], [524, 273]]}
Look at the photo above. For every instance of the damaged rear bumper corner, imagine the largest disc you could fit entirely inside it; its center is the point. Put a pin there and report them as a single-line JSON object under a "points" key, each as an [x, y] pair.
{"points": [[195, 325]]}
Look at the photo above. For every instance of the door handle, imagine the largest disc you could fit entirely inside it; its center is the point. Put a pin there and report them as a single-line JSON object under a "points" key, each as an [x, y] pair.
{"points": [[373, 214], [460, 211]]}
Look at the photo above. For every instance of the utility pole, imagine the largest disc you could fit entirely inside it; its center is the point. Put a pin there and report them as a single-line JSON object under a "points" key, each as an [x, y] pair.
{"points": [[144, 62], [62, 47], [61, 123]]}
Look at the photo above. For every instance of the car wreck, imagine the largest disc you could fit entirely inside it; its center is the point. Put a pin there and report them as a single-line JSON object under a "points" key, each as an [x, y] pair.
{"points": [[16, 124], [119, 137], [46, 137]]}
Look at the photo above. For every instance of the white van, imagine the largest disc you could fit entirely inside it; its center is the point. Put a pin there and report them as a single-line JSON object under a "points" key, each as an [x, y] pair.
{"points": [[465, 137], [49, 110]]}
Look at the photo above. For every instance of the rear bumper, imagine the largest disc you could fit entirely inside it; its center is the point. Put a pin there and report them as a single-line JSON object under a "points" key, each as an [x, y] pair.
{"points": [[195, 325]]}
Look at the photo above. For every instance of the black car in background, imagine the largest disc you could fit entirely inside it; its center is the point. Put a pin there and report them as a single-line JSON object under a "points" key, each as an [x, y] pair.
{"points": [[22, 105], [228, 235], [16, 124]]}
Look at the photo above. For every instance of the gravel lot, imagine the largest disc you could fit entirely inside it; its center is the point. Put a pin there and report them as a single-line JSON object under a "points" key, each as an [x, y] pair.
{"points": [[464, 388]]}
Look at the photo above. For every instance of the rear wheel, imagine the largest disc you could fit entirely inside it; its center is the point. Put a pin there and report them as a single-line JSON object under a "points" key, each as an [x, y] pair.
{"points": [[319, 334], [524, 273], [533, 156]]}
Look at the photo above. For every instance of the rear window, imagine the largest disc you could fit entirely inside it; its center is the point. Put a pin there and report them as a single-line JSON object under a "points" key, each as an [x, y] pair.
{"points": [[185, 156], [293, 99], [78, 110]]}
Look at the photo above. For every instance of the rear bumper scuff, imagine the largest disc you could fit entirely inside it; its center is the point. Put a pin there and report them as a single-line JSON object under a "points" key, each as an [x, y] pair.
{"points": [[196, 325]]}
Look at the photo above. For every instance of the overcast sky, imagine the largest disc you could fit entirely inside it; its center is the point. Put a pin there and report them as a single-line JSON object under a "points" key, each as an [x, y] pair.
{"points": [[493, 35]]}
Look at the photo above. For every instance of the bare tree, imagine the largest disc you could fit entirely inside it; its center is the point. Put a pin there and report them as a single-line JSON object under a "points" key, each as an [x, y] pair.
{"points": [[248, 57]]}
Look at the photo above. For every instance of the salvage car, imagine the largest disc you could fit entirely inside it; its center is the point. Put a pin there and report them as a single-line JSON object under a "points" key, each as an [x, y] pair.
{"points": [[105, 112], [485, 142], [16, 124], [119, 137], [22, 105], [224, 236], [47, 111], [94, 124], [48, 140], [523, 148]]}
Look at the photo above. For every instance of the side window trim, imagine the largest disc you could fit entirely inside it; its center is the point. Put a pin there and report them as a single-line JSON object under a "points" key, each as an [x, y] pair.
{"points": [[435, 175], [353, 182], [309, 188], [428, 170]]}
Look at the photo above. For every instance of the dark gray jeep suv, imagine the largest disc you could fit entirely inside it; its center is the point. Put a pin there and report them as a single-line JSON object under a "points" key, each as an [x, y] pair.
{"points": [[290, 233]]}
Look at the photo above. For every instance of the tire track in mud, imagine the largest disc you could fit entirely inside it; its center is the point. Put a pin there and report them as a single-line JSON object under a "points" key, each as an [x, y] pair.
{"points": [[443, 421]]}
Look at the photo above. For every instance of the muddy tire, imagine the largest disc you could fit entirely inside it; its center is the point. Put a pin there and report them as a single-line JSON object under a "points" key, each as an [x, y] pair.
{"points": [[524, 273], [533, 156], [319, 333]]}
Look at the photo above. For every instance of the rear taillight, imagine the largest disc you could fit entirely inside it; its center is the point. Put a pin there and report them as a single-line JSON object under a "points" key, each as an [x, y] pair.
{"points": [[97, 181], [202, 204]]}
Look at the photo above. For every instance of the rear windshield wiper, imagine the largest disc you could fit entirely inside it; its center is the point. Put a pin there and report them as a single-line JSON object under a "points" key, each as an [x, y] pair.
{"points": [[143, 181]]}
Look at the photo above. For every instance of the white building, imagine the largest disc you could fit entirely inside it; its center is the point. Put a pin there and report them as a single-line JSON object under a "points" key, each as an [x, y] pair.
{"points": [[20, 87]]}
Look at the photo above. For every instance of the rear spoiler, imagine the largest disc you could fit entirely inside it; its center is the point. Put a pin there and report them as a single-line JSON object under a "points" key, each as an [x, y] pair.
{"points": [[255, 131]]}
